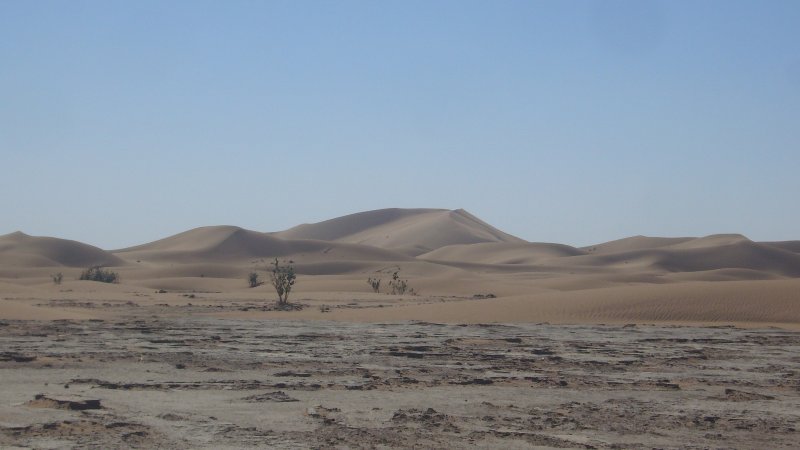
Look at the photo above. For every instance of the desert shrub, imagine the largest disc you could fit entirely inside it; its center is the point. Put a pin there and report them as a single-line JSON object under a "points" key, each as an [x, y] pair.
{"points": [[282, 279], [97, 273], [252, 279], [375, 283], [57, 278], [398, 285]]}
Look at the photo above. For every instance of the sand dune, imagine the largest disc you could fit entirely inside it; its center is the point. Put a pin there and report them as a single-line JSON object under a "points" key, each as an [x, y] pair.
{"points": [[721, 275], [228, 243], [19, 249], [731, 251], [413, 231], [449, 257], [502, 253], [791, 246], [345, 226], [634, 243], [741, 255], [714, 240]]}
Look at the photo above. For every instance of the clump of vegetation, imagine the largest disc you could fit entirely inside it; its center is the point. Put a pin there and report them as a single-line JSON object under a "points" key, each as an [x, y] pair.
{"points": [[252, 279], [282, 279], [97, 273], [375, 283], [398, 285], [57, 278]]}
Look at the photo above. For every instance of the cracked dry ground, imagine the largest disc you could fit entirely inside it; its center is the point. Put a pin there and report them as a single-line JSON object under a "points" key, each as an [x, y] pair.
{"points": [[214, 383]]}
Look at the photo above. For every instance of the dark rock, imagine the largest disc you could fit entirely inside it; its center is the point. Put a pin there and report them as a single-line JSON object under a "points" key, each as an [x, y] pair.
{"points": [[70, 403]]}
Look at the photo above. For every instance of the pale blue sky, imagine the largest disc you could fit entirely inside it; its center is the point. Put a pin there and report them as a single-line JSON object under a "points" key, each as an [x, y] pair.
{"points": [[564, 121]]}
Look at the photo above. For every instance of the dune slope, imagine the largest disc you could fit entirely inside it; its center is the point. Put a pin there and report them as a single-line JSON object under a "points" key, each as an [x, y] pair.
{"points": [[634, 243], [702, 254], [502, 253], [20, 249], [228, 243], [413, 231]]}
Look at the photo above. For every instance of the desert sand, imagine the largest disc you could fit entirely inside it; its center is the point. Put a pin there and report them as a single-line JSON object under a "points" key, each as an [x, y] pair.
{"points": [[636, 343]]}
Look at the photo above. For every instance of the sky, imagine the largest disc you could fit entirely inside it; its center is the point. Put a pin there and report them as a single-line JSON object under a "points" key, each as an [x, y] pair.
{"points": [[571, 121]]}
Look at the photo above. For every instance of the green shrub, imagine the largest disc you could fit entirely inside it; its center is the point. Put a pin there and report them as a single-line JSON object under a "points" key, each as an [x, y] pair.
{"points": [[252, 279], [97, 273], [398, 285], [375, 283], [282, 278]]}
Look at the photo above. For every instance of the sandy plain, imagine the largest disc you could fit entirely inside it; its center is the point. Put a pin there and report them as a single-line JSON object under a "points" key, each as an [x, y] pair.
{"points": [[637, 343]]}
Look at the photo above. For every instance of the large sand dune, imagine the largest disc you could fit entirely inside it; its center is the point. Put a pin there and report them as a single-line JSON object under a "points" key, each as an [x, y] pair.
{"points": [[228, 243], [19, 249], [414, 231], [450, 258]]}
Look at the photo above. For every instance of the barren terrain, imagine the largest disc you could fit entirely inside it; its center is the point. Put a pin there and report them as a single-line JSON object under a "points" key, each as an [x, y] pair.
{"points": [[642, 342], [196, 382]]}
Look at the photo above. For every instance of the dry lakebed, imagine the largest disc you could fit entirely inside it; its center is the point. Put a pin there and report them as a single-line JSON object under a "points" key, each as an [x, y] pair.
{"points": [[150, 381]]}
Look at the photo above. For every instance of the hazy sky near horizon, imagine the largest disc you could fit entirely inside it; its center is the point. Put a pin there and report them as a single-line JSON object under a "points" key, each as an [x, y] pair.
{"points": [[574, 122]]}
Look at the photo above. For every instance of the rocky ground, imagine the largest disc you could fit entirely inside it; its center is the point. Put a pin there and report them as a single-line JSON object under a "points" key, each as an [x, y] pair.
{"points": [[200, 382]]}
